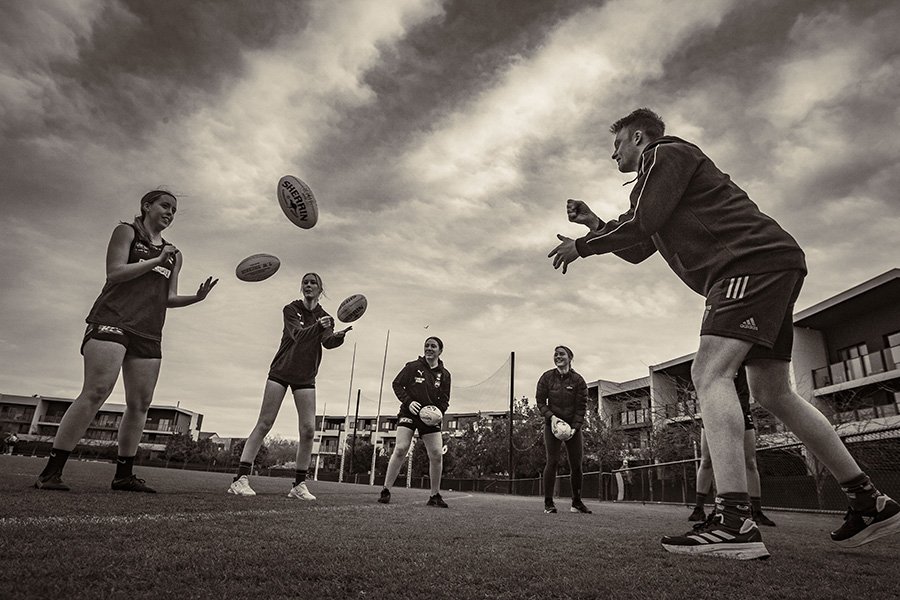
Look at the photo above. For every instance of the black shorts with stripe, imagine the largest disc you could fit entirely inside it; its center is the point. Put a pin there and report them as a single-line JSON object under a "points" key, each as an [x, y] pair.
{"points": [[136, 346], [757, 308], [405, 418]]}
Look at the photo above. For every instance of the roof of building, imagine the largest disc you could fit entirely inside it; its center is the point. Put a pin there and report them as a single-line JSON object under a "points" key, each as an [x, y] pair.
{"points": [[859, 299]]}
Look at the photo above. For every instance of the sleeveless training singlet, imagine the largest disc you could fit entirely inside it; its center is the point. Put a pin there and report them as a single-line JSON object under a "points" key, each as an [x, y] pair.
{"points": [[137, 305]]}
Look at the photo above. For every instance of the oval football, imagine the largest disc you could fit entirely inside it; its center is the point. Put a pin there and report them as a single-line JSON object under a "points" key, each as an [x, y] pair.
{"points": [[430, 415], [352, 308], [257, 267], [297, 201]]}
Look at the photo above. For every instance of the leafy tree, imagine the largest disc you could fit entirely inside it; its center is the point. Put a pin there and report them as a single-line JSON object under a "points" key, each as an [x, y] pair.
{"points": [[180, 448]]}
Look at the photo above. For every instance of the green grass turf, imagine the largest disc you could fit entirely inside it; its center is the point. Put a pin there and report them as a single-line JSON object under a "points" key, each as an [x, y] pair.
{"points": [[192, 540]]}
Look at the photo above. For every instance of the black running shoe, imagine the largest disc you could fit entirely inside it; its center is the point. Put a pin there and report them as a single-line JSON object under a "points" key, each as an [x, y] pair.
{"points": [[436, 500], [549, 508], [51, 482], [698, 514], [131, 484], [579, 507], [761, 519], [385, 497], [863, 527], [713, 538]]}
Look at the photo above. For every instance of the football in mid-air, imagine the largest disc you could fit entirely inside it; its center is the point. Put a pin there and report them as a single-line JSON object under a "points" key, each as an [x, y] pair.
{"points": [[561, 430], [352, 308], [257, 267], [431, 415], [298, 202]]}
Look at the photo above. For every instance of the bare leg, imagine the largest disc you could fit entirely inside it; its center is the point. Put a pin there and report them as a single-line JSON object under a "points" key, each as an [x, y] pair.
{"points": [[102, 363], [404, 438], [140, 376], [273, 396], [434, 445]]}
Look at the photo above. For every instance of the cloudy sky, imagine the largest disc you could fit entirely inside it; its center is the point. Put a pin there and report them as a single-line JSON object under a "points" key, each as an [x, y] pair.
{"points": [[441, 140]]}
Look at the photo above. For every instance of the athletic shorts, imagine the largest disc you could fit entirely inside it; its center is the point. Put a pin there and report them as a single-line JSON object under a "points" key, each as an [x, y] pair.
{"points": [[294, 386], [757, 308], [406, 419], [136, 346]]}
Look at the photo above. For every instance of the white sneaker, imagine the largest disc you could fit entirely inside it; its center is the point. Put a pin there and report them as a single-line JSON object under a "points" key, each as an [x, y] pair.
{"points": [[241, 487], [300, 492]]}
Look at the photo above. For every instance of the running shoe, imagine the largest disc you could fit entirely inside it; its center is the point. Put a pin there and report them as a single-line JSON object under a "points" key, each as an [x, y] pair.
{"points": [[241, 487], [713, 538], [761, 519], [131, 484], [436, 500], [579, 507], [549, 508], [52, 481], [300, 492], [698, 515], [385, 497], [863, 527]]}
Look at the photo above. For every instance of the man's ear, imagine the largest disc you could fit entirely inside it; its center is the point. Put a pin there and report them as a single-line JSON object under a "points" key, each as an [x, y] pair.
{"points": [[637, 136]]}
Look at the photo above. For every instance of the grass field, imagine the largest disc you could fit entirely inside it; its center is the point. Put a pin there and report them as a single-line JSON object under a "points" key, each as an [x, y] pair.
{"points": [[192, 540]]}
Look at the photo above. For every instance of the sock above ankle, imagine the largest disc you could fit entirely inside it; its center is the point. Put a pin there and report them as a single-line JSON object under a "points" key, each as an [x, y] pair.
{"points": [[124, 466], [756, 504], [244, 468], [299, 477], [56, 461], [861, 493], [734, 507], [701, 500]]}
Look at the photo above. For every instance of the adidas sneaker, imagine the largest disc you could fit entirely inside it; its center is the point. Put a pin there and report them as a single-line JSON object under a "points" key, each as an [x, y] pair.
{"points": [[714, 538], [863, 527]]}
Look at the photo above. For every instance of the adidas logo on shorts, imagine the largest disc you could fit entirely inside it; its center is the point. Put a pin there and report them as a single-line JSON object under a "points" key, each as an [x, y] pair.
{"points": [[750, 324]]}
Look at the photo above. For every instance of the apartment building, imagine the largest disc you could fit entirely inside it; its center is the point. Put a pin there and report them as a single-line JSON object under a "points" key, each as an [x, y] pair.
{"points": [[846, 361], [37, 418], [332, 431]]}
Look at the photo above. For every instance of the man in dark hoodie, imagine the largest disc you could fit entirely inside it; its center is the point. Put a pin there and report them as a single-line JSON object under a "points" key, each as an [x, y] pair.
{"points": [[750, 271]]}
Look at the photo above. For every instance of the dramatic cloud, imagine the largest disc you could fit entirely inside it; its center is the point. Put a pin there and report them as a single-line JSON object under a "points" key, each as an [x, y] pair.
{"points": [[442, 140]]}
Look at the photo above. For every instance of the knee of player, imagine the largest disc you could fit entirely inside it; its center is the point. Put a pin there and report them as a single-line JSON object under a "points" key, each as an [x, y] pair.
{"points": [[307, 431]]}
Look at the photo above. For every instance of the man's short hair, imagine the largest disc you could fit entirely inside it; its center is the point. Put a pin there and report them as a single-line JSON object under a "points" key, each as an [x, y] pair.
{"points": [[644, 119]]}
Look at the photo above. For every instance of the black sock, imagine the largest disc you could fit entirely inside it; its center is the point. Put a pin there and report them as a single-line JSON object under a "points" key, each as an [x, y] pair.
{"points": [[299, 477], [861, 493], [701, 499], [735, 507], [243, 469], [756, 504], [124, 465], [56, 462]]}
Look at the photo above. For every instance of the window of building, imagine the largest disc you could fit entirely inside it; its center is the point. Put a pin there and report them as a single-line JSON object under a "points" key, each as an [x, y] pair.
{"points": [[851, 352]]}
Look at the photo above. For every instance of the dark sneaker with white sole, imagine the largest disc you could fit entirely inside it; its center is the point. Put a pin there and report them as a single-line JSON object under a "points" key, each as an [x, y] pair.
{"points": [[579, 507], [549, 508], [863, 527], [713, 538]]}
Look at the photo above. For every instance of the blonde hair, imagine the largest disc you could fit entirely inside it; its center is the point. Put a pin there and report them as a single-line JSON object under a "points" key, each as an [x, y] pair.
{"points": [[138, 223], [318, 281]]}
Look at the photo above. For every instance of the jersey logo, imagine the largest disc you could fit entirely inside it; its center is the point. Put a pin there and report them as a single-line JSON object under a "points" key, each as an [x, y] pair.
{"points": [[420, 380]]}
